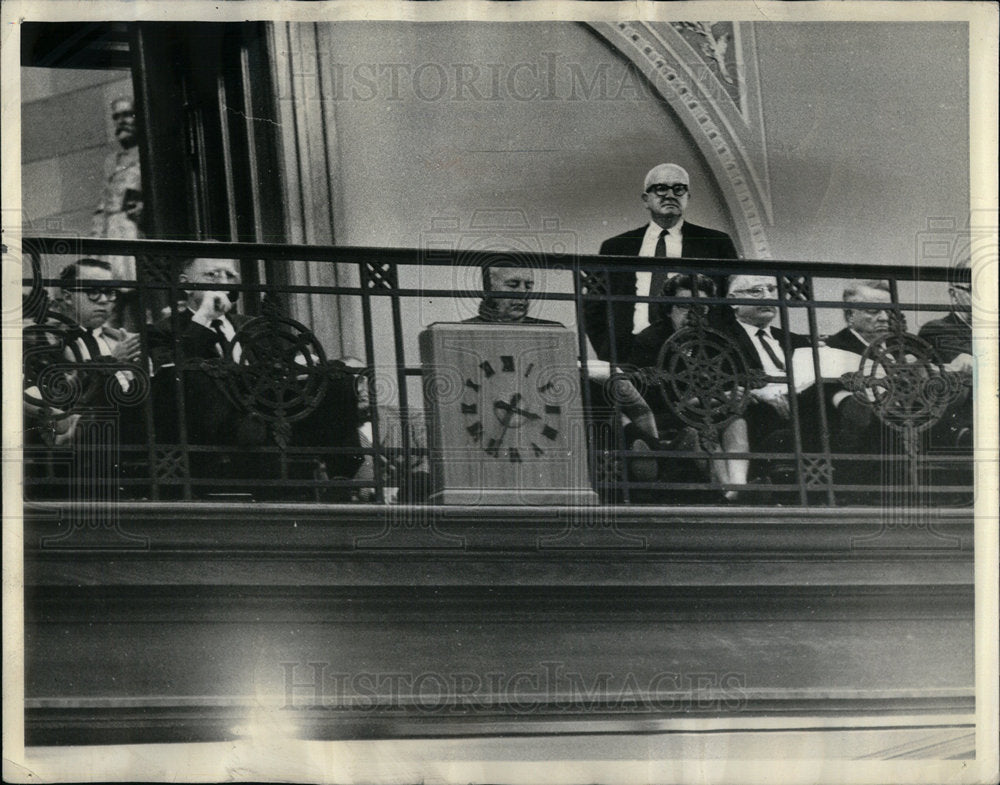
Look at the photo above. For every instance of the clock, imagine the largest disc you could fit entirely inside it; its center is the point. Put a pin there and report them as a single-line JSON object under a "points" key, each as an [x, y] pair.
{"points": [[505, 424]]}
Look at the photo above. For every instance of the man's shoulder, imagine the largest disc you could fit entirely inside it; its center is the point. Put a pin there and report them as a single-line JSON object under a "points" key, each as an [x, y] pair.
{"points": [[845, 340], [620, 244], [167, 323], [694, 230], [525, 320], [798, 340], [947, 324]]}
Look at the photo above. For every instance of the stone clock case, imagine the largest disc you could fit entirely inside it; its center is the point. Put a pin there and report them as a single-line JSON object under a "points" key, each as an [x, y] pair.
{"points": [[505, 422]]}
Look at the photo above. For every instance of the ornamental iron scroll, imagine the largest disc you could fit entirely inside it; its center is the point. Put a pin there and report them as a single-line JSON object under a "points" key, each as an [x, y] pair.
{"points": [[281, 375], [704, 377], [902, 379], [66, 374]]}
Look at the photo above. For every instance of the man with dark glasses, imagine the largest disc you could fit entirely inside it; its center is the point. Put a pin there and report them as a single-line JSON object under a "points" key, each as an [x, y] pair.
{"points": [[86, 301], [666, 193], [92, 357]]}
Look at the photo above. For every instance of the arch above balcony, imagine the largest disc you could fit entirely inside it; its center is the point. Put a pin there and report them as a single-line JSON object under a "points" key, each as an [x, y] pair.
{"points": [[707, 73]]}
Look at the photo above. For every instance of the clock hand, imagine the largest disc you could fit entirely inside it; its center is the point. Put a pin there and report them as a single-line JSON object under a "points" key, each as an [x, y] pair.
{"points": [[512, 408], [505, 421], [509, 407]]}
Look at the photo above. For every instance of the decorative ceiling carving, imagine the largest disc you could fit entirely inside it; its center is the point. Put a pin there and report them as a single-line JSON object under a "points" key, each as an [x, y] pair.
{"points": [[707, 72]]}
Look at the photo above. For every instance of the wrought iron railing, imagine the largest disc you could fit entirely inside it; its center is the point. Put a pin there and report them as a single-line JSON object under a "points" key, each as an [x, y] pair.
{"points": [[289, 424]]}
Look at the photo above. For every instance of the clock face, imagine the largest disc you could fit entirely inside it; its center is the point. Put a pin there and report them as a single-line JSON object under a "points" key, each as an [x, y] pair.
{"points": [[510, 409]]}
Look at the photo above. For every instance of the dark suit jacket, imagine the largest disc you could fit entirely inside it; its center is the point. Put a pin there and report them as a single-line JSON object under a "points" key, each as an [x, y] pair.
{"points": [[697, 242], [763, 421], [645, 347], [847, 341], [749, 350], [950, 337], [213, 419]]}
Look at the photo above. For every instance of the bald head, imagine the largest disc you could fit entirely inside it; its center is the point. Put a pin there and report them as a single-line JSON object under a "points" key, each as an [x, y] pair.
{"points": [[666, 173], [665, 192]]}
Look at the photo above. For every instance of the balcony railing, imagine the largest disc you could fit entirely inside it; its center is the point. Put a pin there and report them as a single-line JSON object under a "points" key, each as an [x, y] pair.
{"points": [[275, 417]]}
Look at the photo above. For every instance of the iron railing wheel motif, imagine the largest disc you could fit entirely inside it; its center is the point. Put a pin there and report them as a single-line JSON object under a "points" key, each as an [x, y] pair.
{"points": [[705, 378], [901, 378], [282, 373], [65, 374]]}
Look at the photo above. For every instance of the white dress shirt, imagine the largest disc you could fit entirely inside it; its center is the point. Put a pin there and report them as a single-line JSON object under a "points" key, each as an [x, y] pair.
{"points": [[227, 330], [673, 247], [765, 359]]}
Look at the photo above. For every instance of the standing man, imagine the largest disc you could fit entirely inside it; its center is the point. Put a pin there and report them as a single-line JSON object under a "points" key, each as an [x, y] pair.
{"points": [[119, 214], [666, 192]]}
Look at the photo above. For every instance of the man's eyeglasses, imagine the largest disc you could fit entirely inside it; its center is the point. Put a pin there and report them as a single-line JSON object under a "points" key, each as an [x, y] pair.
{"points": [[758, 291], [661, 189], [94, 293], [964, 287], [219, 275]]}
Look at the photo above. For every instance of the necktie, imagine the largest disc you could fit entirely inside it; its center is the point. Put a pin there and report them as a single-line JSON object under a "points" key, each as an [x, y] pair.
{"points": [[763, 338], [220, 336], [658, 279]]}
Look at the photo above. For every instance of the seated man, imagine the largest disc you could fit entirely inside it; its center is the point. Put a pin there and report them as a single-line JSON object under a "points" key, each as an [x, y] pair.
{"points": [[206, 332], [951, 337], [765, 348], [853, 420], [517, 283], [648, 355], [74, 336], [403, 463], [854, 426]]}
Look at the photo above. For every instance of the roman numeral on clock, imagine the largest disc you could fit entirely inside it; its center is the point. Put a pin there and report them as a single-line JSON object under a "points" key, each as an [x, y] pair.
{"points": [[507, 363], [469, 408], [476, 431], [487, 368]]}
